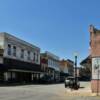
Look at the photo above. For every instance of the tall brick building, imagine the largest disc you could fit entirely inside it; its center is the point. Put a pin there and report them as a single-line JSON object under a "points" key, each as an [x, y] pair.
{"points": [[95, 57]]}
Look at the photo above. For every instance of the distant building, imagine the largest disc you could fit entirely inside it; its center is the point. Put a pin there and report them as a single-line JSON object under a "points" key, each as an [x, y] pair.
{"points": [[50, 64], [86, 68], [67, 67], [19, 60], [44, 64]]}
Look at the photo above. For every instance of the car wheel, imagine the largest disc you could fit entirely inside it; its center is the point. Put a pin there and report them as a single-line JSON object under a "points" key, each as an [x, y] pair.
{"points": [[65, 86]]}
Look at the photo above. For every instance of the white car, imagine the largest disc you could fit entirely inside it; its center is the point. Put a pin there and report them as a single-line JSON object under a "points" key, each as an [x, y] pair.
{"points": [[67, 82], [70, 82]]}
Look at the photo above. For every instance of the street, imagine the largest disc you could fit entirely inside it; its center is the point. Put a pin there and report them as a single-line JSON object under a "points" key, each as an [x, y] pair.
{"points": [[46, 92]]}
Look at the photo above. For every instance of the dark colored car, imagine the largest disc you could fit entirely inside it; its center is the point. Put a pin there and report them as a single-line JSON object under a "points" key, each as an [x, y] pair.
{"points": [[46, 79]]}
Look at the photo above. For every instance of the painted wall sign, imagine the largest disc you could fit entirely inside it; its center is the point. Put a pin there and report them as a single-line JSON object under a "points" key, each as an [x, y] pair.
{"points": [[96, 68]]}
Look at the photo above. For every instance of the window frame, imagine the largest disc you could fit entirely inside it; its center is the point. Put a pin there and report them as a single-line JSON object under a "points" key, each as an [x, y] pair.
{"points": [[9, 49], [22, 53], [14, 50]]}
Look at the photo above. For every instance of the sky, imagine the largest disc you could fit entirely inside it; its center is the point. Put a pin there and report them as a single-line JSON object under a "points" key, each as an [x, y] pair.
{"points": [[58, 26]]}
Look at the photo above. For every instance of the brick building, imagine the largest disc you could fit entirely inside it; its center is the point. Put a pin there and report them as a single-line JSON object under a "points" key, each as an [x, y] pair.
{"points": [[86, 68], [95, 57]]}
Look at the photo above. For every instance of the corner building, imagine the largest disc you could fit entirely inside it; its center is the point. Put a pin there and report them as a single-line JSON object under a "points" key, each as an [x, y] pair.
{"points": [[19, 60], [95, 57]]}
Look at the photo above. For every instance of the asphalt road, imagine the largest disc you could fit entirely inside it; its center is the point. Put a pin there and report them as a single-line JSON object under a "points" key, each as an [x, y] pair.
{"points": [[46, 92]]}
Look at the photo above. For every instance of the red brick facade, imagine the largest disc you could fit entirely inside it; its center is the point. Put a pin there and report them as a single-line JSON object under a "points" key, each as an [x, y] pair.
{"points": [[95, 86], [95, 55], [94, 42]]}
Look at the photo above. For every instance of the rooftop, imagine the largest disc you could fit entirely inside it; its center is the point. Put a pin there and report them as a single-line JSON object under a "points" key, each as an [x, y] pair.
{"points": [[19, 40]]}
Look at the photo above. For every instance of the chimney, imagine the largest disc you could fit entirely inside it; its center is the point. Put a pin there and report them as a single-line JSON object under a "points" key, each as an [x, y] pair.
{"points": [[91, 28]]}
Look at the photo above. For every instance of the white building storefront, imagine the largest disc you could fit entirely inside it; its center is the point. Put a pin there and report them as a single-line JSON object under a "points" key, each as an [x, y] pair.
{"points": [[19, 60]]}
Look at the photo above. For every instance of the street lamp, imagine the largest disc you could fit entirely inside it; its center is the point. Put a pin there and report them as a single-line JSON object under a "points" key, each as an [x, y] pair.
{"points": [[75, 72]]}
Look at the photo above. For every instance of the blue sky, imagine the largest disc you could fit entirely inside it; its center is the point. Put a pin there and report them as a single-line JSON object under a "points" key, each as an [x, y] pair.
{"points": [[58, 26]]}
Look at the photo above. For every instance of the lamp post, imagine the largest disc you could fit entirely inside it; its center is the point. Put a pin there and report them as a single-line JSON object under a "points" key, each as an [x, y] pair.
{"points": [[75, 72], [75, 69]]}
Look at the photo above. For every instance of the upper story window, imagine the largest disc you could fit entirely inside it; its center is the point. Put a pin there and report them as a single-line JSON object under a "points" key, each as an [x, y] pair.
{"points": [[22, 53], [37, 57], [50, 62], [14, 51], [28, 57], [9, 49], [34, 56]]}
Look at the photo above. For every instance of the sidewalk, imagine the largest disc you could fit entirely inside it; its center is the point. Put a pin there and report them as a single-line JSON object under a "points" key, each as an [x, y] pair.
{"points": [[82, 91]]}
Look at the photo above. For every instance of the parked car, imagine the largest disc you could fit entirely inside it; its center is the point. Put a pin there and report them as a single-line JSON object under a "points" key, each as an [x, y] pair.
{"points": [[46, 79], [70, 82], [66, 82]]}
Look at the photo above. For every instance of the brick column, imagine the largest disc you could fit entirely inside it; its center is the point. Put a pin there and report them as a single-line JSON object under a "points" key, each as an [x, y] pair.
{"points": [[95, 85]]}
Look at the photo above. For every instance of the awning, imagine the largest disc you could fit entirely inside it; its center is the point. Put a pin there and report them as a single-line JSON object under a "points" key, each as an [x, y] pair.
{"points": [[20, 65]]}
